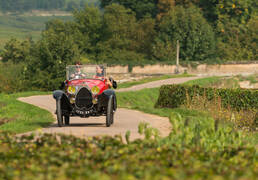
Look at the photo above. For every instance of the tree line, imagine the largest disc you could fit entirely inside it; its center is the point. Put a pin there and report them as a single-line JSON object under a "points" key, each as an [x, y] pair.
{"points": [[134, 32], [26, 5]]}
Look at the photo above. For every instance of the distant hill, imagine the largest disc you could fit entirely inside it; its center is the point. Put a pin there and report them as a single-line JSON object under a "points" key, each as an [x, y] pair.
{"points": [[27, 5], [22, 27]]}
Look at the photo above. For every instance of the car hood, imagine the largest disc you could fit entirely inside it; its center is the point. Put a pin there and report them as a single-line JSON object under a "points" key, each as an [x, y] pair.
{"points": [[88, 82]]}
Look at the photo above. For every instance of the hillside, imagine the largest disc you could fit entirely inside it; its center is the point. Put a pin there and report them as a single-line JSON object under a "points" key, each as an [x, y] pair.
{"points": [[26, 19], [28, 5], [25, 26]]}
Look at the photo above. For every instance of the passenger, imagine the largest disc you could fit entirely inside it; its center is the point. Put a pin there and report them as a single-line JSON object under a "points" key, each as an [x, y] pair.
{"points": [[101, 75]]}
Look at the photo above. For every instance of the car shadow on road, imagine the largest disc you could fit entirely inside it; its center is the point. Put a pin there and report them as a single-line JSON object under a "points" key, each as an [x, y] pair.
{"points": [[80, 125]]}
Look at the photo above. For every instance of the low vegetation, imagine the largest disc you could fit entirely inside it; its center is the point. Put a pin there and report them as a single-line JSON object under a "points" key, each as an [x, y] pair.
{"points": [[19, 117], [231, 105], [149, 79], [194, 149], [215, 81], [239, 99], [252, 78]]}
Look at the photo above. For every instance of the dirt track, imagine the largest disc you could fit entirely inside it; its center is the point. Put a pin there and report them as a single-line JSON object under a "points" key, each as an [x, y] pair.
{"points": [[124, 119]]}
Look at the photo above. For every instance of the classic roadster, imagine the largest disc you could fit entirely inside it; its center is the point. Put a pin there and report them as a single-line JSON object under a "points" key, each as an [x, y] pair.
{"points": [[87, 93]]}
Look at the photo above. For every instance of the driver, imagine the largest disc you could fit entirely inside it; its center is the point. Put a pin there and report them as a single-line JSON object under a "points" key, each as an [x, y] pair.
{"points": [[78, 73]]}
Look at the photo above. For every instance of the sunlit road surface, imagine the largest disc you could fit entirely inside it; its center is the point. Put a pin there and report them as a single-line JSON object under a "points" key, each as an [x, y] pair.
{"points": [[124, 120]]}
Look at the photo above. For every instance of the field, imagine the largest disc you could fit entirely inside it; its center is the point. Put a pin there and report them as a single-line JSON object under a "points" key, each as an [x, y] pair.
{"points": [[22, 27], [198, 147]]}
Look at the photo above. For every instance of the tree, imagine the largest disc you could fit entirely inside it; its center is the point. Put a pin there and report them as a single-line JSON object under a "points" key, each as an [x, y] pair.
{"points": [[141, 8], [88, 24], [164, 6], [16, 51], [55, 50], [196, 37], [145, 33], [233, 29], [119, 35]]}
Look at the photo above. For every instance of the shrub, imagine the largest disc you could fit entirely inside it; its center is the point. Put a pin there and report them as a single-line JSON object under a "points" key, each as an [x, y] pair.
{"points": [[12, 77], [173, 96]]}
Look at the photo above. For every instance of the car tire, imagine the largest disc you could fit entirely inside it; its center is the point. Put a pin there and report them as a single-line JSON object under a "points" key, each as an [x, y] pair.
{"points": [[110, 112], [67, 120], [59, 113]]}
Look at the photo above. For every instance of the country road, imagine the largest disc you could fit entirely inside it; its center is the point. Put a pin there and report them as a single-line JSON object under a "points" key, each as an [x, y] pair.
{"points": [[124, 120]]}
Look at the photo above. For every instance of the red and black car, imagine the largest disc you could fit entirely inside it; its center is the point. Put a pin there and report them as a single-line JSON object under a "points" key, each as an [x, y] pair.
{"points": [[87, 93]]}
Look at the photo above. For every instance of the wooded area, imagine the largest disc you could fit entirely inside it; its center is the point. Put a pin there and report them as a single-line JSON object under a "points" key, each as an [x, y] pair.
{"points": [[135, 32]]}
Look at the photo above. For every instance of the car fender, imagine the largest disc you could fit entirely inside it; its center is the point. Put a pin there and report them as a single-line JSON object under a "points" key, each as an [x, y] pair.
{"points": [[104, 97], [65, 103], [57, 95]]}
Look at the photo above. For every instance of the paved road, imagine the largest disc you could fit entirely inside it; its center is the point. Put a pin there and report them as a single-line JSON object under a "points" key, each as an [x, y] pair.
{"points": [[125, 119]]}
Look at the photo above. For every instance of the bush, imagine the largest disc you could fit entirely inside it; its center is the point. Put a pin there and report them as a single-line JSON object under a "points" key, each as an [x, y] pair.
{"points": [[12, 77], [173, 96]]}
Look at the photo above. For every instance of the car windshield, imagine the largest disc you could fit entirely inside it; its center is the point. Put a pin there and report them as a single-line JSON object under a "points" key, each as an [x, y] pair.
{"points": [[85, 72]]}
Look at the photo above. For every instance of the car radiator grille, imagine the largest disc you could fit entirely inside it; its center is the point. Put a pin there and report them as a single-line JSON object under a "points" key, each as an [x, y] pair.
{"points": [[83, 98]]}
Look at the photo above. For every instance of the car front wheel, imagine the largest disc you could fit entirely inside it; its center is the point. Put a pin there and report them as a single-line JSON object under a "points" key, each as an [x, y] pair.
{"points": [[110, 112], [59, 113]]}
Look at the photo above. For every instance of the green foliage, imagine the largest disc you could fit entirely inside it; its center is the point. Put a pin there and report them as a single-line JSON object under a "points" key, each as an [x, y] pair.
{"points": [[195, 35], [205, 82], [234, 31], [132, 33], [22, 117], [12, 77], [197, 149], [118, 43], [16, 51], [173, 96], [88, 24], [142, 8], [56, 49]]}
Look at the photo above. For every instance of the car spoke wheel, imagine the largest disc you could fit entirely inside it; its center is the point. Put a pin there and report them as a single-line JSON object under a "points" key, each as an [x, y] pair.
{"points": [[67, 120], [110, 112], [59, 113]]}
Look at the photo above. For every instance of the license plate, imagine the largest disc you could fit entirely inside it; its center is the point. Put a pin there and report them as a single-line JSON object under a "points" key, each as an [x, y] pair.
{"points": [[82, 112]]}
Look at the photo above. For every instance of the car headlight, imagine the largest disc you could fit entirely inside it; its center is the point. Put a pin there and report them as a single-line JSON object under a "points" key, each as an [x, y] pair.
{"points": [[95, 90], [71, 89]]}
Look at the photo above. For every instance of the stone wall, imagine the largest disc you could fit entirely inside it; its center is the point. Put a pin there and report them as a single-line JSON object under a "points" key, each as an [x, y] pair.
{"points": [[203, 69], [225, 69]]}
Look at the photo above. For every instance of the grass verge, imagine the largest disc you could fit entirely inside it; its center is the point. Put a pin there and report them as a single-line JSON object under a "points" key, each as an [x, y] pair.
{"points": [[150, 79], [144, 100], [215, 81], [19, 117]]}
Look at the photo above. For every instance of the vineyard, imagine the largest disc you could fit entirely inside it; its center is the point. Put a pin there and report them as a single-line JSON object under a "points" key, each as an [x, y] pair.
{"points": [[201, 149]]}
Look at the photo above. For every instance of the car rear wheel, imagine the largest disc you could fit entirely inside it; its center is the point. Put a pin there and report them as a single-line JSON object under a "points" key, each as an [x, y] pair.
{"points": [[59, 113], [110, 112], [67, 120]]}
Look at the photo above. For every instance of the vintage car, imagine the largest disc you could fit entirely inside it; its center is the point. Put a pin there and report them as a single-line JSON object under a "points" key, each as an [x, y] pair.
{"points": [[87, 92]]}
